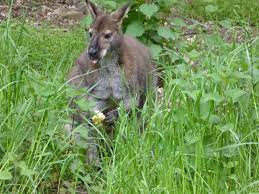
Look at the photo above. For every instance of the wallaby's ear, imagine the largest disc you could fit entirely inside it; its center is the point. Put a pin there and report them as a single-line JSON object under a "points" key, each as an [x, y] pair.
{"points": [[93, 9], [120, 13]]}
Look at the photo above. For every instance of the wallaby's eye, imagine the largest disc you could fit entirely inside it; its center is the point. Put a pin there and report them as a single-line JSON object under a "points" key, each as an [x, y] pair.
{"points": [[90, 34], [108, 35]]}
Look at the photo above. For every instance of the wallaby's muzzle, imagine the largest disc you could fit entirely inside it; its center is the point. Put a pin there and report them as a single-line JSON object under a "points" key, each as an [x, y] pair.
{"points": [[93, 54], [94, 51]]}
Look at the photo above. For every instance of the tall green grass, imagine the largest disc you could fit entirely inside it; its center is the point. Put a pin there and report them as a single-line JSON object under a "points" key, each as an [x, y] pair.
{"points": [[239, 11], [202, 137]]}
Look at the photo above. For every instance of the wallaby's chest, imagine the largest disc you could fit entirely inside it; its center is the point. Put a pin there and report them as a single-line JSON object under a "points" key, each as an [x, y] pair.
{"points": [[110, 82]]}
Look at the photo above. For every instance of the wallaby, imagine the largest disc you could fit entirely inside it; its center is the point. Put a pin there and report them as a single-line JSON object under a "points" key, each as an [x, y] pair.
{"points": [[116, 67]]}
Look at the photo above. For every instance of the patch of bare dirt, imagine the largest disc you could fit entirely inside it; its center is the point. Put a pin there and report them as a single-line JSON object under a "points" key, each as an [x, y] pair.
{"points": [[64, 13], [67, 13], [229, 34]]}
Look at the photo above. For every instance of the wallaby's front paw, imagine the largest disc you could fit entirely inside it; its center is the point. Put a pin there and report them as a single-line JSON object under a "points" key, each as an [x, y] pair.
{"points": [[92, 156], [111, 116]]}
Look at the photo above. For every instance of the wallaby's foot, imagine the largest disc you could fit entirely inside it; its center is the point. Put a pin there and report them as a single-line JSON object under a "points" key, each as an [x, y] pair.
{"points": [[92, 156], [111, 116]]}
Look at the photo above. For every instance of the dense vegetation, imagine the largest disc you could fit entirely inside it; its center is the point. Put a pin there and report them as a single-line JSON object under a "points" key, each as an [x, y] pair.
{"points": [[201, 134]]}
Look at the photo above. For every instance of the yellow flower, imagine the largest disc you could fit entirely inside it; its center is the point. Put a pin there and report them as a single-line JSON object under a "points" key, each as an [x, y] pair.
{"points": [[98, 118]]}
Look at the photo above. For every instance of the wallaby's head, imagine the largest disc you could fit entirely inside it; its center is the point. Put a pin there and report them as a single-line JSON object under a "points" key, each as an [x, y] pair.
{"points": [[105, 31]]}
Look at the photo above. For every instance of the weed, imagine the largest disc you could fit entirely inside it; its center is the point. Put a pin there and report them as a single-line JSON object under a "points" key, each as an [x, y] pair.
{"points": [[201, 137]]}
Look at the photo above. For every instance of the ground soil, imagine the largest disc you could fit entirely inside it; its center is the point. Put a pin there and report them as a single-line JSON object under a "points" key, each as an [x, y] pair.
{"points": [[69, 13]]}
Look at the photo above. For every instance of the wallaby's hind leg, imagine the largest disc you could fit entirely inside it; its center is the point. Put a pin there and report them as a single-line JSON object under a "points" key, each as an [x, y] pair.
{"points": [[92, 150], [92, 156]]}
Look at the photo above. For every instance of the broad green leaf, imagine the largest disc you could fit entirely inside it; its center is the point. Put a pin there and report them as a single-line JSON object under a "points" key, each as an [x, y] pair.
{"points": [[82, 130], [73, 92], [181, 70], [256, 89], [12, 157], [82, 143], [168, 2], [235, 94], [87, 178], [214, 119], [212, 96], [178, 22], [5, 175], [256, 75], [84, 105], [77, 165], [183, 84], [227, 127], [231, 164], [165, 33], [174, 56], [25, 170], [181, 44], [86, 22], [22, 165], [194, 53], [240, 75], [193, 94], [192, 26], [81, 136], [28, 172], [243, 101], [200, 75], [204, 110], [230, 152], [234, 176], [45, 91], [213, 39], [191, 138], [216, 77], [180, 115], [226, 23], [97, 189], [155, 50], [110, 4], [135, 29], [148, 9], [211, 8]]}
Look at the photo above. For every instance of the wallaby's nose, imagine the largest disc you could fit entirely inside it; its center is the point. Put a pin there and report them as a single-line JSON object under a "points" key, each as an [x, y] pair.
{"points": [[92, 52]]}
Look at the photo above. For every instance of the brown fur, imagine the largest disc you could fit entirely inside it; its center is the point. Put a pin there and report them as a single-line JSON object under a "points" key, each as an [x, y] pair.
{"points": [[126, 59]]}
